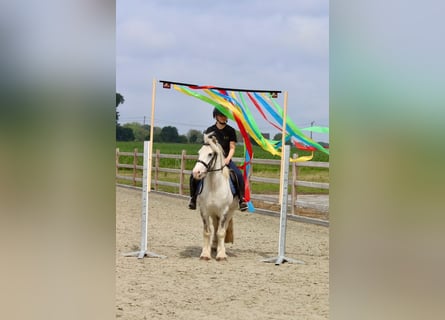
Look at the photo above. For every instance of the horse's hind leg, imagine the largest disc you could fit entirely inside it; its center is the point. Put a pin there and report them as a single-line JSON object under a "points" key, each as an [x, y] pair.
{"points": [[206, 253], [229, 232], [221, 235]]}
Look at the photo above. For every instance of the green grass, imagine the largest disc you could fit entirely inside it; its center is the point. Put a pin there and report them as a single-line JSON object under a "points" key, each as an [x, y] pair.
{"points": [[260, 170], [192, 149]]}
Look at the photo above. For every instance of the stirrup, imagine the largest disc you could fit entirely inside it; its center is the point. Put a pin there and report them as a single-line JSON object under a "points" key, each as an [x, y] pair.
{"points": [[243, 205]]}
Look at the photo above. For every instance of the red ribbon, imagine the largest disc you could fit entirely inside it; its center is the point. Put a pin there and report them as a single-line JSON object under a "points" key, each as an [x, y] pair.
{"points": [[260, 110], [249, 151]]}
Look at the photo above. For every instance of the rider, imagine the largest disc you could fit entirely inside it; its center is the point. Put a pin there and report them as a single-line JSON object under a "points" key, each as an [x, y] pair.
{"points": [[226, 137]]}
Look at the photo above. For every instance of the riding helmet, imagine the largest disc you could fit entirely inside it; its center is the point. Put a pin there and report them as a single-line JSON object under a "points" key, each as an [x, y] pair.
{"points": [[217, 112]]}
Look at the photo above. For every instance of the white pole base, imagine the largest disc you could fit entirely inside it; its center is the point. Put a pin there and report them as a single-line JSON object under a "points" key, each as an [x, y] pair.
{"points": [[142, 254], [282, 259]]}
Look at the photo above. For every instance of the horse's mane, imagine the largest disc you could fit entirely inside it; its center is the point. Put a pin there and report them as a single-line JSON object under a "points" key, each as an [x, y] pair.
{"points": [[211, 140]]}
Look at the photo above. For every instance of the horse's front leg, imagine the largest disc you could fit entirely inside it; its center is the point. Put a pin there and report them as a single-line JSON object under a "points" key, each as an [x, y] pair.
{"points": [[206, 249], [221, 235], [215, 221]]}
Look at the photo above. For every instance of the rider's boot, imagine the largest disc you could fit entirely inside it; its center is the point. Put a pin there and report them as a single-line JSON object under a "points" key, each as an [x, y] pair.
{"points": [[240, 190], [242, 202], [192, 203], [193, 193]]}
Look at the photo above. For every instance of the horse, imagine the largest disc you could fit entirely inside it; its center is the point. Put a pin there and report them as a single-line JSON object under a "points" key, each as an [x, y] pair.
{"points": [[216, 201]]}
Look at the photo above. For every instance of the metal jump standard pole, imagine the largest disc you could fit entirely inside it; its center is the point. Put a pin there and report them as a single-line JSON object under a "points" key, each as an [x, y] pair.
{"points": [[144, 219]]}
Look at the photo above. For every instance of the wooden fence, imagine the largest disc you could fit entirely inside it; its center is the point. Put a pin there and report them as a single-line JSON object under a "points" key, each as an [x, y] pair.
{"points": [[183, 184]]}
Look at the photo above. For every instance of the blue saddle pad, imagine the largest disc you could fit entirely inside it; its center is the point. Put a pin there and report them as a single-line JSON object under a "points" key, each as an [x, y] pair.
{"points": [[232, 186]]}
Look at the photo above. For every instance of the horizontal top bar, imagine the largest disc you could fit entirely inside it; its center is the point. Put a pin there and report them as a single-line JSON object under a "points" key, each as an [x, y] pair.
{"points": [[220, 88]]}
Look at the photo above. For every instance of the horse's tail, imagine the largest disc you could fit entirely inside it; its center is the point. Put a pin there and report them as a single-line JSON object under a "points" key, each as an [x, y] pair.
{"points": [[229, 232]]}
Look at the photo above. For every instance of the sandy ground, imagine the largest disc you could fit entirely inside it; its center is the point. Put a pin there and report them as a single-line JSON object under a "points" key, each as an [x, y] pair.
{"points": [[184, 287]]}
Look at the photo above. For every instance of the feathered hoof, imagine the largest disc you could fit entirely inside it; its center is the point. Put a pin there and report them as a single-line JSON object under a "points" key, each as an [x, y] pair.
{"points": [[204, 258], [221, 259]]}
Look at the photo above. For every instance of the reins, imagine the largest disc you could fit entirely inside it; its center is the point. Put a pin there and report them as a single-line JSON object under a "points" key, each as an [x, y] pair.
{"points": [[211, 162]]}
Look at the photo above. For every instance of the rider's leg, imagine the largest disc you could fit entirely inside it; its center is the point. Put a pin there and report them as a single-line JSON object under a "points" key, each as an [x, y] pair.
{"points": [[193, 192], [241, 186]]}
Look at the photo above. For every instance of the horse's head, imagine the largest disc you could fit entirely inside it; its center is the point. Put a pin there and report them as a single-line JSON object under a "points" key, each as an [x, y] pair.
{"points": [[210, 157]]}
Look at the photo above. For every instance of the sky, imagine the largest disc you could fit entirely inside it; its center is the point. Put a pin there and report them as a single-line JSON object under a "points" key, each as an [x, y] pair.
{"points": [[264, 45]]}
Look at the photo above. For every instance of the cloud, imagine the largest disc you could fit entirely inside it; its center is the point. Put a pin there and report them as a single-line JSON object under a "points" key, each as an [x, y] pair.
{"points": [[308, 34], [142, 38], [280, 45]]}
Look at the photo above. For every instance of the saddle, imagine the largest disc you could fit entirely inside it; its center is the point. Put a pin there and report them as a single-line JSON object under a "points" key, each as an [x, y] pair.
{"points": [[233, 181]]}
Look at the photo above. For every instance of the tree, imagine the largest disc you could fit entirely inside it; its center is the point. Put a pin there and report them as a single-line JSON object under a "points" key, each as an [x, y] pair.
{"points": [[119, 100], [323, 144], [169, 134], [182, 139], [194, 136], [124, 134], [141, 132], [278, 137], [239, 136], [156, 134]]}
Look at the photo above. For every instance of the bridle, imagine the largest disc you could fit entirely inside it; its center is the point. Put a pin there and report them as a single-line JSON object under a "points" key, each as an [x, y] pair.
{"points": [[211, 162]]}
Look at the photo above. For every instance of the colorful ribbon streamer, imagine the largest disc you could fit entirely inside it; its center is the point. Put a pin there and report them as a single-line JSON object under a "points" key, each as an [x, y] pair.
{"points": [[227, 103], [317, 129], [238, 110]]}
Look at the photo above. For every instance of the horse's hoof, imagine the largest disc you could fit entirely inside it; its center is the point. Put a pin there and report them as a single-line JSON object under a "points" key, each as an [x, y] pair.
{"points": [[204, 258], [221, 259]]}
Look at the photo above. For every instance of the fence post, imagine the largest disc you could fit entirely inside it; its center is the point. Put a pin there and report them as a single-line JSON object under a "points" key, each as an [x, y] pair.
{"points": [[294, 183], [135, 163], [117, 161], [181, 176], [158, 157]]}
